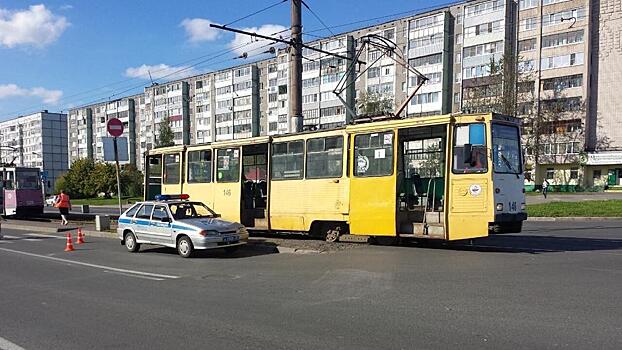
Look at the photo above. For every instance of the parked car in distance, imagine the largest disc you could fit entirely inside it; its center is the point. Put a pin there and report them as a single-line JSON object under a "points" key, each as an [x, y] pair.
{"points": [[49, 201], [174, 221]]}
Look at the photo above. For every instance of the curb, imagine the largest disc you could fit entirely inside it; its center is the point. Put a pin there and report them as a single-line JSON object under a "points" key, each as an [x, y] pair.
{"points": [[113, 235], [585, 218]]}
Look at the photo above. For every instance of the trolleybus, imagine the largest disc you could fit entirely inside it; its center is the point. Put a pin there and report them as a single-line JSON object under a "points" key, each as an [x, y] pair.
{"points": [[446, 177]]}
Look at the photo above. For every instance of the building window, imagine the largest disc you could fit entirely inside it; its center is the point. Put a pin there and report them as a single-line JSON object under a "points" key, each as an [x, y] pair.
{"points": [[483, 49], [596, 174], [573, 59], [562, 39], [458, 58], [483, 8], [527, 4], [562, 83], [556, 18], [528, 24], [574, 173], [456, 97], [550, 173], [527, 45], [484, 28], [426, 60]]}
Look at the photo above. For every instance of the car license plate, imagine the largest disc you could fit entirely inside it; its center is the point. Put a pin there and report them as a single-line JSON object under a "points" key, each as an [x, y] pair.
{"points": [[230, 238]]}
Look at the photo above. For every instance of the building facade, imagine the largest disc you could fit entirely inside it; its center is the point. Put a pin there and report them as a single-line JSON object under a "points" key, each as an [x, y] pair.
{"points": [[37, 140], [566, 54]]}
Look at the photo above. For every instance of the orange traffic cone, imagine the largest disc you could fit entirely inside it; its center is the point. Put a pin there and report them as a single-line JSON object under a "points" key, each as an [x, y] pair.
{"points": [[69, 246], [80, 239]]}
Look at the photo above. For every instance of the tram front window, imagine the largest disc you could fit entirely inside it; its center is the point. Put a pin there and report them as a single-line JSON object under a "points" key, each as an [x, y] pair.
{"points": [[28, 180]]}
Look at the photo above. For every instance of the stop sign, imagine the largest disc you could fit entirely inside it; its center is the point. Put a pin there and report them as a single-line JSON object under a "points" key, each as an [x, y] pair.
{"points": [[115, 127]]}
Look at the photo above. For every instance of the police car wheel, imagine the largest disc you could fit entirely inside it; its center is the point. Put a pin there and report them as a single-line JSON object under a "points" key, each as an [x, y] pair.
{"points": [[185, 247], [130, 242]]}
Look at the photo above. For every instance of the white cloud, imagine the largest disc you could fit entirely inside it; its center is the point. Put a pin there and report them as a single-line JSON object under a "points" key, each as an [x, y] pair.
{"points": [[47, 96], [66, 7], [255, 46], [159, 71], [198, 30], [36, 26]]}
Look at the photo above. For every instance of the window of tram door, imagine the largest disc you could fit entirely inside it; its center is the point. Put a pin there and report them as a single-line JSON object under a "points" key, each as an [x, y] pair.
{"points": [[200, 166], [288, 160], [171, 169], [325, 157], [228, 169], [373, 154], [469, 151]]}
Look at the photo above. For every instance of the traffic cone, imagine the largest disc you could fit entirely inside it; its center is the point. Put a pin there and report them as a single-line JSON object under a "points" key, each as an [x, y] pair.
{"points": [[69, 246], [80, 239]]}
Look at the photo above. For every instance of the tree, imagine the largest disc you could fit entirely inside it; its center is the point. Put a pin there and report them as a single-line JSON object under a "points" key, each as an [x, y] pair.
{"points": [[131, 181], [103, 179], [371, 104], [76, 182], [166, 136]]}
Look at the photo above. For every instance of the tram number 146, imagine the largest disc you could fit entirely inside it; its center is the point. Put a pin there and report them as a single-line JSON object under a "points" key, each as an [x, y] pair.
{"points": [[227, 192]]}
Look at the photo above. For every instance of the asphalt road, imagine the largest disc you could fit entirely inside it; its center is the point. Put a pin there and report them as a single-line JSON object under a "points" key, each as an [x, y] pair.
{"points": [[556, 285]]}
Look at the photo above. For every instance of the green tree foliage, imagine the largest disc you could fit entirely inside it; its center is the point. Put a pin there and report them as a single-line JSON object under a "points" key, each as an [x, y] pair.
{"points": [[87, 179], [76, 181], [372, 104], [131, 181], [166, 136]]}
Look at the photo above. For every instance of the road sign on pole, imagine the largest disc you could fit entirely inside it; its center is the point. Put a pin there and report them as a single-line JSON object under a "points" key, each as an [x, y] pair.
{"points": [[115, 128]]}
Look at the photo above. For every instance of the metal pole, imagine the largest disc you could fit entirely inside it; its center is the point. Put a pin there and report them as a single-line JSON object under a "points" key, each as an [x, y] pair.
{"points": [[116, 160], [295, 68]]}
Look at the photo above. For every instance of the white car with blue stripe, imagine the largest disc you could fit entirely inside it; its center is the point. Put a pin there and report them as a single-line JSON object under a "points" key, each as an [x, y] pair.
{"points": [[174, 221]]}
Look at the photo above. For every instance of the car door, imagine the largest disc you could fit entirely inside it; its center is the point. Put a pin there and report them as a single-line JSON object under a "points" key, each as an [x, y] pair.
{"points": [[160, 226], [141, 223]]}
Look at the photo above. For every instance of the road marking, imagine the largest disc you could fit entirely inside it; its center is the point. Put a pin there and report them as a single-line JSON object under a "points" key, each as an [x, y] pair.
{"points": [[7, 345], [102, 267], [135, 276], [11, 237]]}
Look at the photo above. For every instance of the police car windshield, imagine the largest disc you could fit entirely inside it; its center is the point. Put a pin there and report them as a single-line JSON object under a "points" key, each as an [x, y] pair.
{"points": [[190, 210]]}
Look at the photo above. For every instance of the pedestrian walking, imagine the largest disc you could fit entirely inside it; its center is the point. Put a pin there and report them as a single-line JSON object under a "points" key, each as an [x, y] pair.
{"points": [[64, 205], [545, 187]]}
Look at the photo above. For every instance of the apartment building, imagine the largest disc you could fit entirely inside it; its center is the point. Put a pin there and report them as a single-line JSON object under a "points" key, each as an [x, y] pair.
{"points": [[87, 129], [37, 140], [568, 58]]}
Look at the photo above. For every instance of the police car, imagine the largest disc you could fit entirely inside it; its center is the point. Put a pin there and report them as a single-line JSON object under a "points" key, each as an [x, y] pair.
{"points": [[175, 221]]}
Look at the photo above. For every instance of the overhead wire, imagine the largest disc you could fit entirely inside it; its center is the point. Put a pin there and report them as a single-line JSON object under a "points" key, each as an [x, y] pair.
{"points": [[256, 12]]}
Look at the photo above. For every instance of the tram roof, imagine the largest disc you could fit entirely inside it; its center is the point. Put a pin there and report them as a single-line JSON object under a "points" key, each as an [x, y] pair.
{"points": [[361, 126]]}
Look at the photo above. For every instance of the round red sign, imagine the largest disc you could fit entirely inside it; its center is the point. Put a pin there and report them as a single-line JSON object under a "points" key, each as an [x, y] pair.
{"points": [[115, 127]]}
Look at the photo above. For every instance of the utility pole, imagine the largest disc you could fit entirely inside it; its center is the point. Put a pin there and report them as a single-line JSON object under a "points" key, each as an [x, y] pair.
{"points": [[295, 68]]}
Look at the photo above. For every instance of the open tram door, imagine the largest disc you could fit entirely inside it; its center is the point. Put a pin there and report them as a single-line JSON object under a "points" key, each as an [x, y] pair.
{"points": [[254, 202], [421, 181], [153, 176]]}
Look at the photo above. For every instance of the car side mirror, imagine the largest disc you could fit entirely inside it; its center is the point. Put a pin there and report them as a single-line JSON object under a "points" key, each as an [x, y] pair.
{"points": [[166, 219], [467, 153]]}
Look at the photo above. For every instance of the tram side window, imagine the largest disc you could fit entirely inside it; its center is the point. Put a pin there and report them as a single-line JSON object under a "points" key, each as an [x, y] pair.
{"points": [[325, 157], [287, 160], [200, 166], [171, 169], [374, 154], [469, 151], [228, 165], [155, 166]]}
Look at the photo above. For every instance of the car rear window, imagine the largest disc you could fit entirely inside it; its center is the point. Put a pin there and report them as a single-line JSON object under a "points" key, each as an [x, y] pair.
{"points": [[130, 212]]}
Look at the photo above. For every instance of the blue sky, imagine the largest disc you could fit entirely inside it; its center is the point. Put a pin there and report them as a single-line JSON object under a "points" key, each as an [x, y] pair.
{"points": [[58, 54]]}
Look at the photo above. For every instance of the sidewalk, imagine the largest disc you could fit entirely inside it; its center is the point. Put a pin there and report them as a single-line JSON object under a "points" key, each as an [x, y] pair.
{"points": [[572, 197]]}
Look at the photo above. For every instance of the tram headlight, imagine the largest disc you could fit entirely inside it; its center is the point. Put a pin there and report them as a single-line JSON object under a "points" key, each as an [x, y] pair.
{"points": [[499, 206]]}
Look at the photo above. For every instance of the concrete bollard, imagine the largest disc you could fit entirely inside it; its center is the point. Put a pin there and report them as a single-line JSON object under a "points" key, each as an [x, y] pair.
{"points": [[102, 222], [84, 208]]}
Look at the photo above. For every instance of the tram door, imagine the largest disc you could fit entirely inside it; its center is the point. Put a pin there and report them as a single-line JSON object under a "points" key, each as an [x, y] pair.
{"points": [[373, 186], [254, 201], [153, 177]]}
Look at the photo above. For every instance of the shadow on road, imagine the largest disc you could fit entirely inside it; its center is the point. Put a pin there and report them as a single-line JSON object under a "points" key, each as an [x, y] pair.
{"points": [[525, 244], [250, 250]]}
